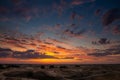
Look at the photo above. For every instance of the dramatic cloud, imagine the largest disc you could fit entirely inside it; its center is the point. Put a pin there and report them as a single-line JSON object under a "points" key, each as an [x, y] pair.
{"points": [[29, 54], [39, 30], [111, 16]]}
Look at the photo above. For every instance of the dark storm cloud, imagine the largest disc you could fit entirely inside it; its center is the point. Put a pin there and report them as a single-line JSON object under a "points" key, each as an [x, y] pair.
{"points": [[101, 41], [116, 29], [29, 54], [111, 16], [113, 50]]}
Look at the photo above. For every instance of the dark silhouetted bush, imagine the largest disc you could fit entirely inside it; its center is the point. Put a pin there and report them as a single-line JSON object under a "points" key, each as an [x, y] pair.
{"points": [[77, 65], [51, 66], [42, 67], [63, 67]]}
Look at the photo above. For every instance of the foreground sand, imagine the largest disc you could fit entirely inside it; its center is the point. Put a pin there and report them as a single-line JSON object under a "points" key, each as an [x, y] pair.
{"points": [[60, 72]]}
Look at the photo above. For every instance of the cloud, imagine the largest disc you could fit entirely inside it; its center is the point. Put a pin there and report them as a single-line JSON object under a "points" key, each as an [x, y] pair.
{"points": [[104, 41], [99, 54], [24, 12], [61, 47], [28, 18], [17, 11], [19, 40], [25, 42], [116, 29], [2, 49], [101, 41], [5, 52], [48, 43], [73, 15], [54, 40], [68, 58], [75, 32], [56, 52], [79, 2], [17, 2], [13, 41], [4, 19], [97, 12], [111, 16], [3, 10], [113, 50], [29, 54]]}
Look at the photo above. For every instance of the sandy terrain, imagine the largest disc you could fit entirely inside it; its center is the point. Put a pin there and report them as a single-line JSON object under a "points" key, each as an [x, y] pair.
{"points": [[59, 72]]}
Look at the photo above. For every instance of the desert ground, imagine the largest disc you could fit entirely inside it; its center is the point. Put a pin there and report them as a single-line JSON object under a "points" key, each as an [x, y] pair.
{"points": [[60, 72]]}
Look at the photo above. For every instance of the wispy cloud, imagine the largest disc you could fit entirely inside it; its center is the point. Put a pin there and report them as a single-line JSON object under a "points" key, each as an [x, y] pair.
{"points": [[113, 50], [101, 41], [73, 33]]}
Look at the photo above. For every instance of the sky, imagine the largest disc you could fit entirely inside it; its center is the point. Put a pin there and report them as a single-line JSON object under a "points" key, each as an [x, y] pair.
{"points": [[60, 31]]}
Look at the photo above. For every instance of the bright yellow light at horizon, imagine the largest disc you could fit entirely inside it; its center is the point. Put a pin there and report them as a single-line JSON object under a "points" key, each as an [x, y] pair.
{"points": [[55, 61], [50, 53]]}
